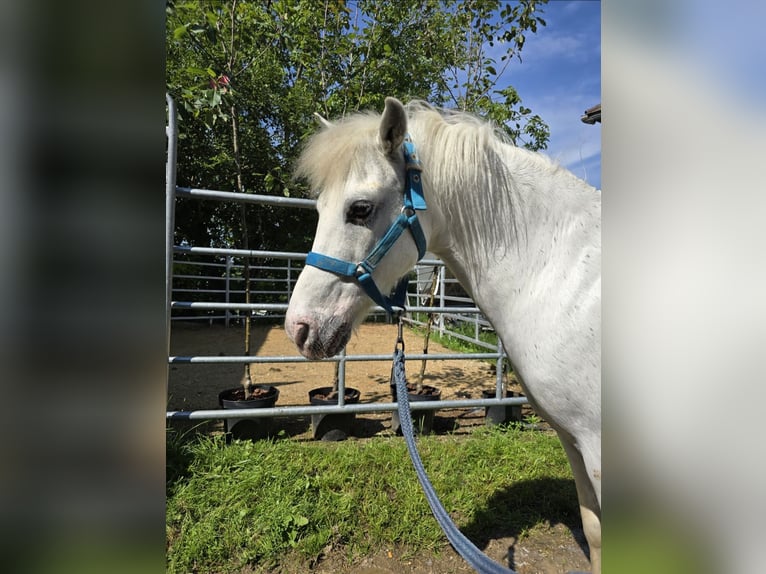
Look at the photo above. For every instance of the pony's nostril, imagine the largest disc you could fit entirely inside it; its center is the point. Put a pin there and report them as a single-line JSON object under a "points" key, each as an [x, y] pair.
{"points": [[301, 334]]}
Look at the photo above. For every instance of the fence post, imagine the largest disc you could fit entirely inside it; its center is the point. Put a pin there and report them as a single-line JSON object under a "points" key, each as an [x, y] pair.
{"points": [[342, 378], [289, 279], [442, 282], [499, 369], [171, 133], [229, 260]]}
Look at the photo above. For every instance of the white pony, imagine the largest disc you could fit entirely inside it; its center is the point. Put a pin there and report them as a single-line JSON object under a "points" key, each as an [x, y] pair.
{"points": [[522, 235]]}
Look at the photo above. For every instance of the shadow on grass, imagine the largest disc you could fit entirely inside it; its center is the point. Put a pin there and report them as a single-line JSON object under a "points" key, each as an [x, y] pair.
{"points": [[182, 434], [178, 455], [512, 511]]}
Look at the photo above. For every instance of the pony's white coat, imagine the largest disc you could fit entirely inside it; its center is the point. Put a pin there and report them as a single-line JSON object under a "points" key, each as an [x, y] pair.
{"points": [[520, 233]]}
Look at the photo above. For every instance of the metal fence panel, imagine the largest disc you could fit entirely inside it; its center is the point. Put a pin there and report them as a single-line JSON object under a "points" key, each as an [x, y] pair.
{"points": [[217, 266]]}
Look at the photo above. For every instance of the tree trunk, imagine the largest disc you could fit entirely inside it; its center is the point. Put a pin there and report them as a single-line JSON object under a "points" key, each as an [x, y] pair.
{"points": [[247, 381]]}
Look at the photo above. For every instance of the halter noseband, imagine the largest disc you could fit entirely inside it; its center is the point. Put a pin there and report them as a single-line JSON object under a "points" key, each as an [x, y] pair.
{"points": [[408, 219]]}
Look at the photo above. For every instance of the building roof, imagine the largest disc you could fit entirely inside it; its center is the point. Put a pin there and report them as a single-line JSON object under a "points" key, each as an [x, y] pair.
{"points": [[592, 115]]}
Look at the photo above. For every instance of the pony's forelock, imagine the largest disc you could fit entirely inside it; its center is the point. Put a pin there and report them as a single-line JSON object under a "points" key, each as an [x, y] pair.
{"points": [[330, 154]]}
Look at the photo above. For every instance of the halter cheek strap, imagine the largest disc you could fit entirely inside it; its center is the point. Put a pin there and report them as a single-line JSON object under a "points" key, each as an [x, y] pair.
{"points": [[361, 272]]}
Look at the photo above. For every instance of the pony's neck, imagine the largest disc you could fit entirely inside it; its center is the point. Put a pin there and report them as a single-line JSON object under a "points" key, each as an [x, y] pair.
{"points": [[517, 232]]}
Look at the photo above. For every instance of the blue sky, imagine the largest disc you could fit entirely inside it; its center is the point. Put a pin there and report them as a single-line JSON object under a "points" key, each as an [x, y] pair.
{"points": [[560, 77]]}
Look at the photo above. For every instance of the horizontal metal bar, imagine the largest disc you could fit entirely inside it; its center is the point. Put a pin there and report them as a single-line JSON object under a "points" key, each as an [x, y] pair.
{"points": [[231, 291], [283, 307], [237, 252], [276, 254], [188, 249], [232, 267], [467, 339], [232, 306], [261, 268], [447, 331], [298, 410], [204, 359], [235, 276], [198, 317], [232, 280], [246, 197], [205, 277], [218, 291], [198, 263]]}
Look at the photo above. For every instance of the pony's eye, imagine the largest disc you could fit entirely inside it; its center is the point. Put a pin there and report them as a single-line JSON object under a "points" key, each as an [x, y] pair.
{"points": [[359, 212]]}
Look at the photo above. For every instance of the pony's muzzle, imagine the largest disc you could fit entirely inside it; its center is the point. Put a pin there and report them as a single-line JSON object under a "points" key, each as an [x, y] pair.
{"points": [[318, 339], [300, 334], [298, 331]]}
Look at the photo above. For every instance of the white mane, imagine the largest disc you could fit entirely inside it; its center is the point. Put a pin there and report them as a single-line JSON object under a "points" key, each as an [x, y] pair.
{"points": [[470, 168]]}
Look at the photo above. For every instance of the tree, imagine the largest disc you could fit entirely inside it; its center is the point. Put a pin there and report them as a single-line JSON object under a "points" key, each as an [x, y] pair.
{"points": [[441, 51], [268, 66], [248, 77]]}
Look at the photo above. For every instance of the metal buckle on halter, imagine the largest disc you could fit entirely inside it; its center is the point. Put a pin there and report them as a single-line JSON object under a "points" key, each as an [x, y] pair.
{"points": [[361, 270]]}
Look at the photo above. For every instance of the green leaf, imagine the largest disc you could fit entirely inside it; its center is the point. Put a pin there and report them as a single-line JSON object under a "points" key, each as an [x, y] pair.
{"points": [[194, 71], [289, 61]]}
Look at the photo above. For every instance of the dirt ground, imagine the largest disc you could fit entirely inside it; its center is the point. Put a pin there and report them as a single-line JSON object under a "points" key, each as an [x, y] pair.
{"points": [[196, 386], [547, 550], [551, 550]]}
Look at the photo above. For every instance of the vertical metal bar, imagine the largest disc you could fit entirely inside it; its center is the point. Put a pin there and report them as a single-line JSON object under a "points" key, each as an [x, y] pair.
{"points": [[342, 378], [170, 205], [499, 370], [442, 280], [229, 260], [289, 279]]}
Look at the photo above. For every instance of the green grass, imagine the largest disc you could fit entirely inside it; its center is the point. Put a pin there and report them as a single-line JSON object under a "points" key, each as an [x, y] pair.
{"points": [[255, 504]]}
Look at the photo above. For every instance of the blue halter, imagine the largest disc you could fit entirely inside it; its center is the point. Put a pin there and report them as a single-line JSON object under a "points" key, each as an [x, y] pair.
{"points": [[408, 219]]}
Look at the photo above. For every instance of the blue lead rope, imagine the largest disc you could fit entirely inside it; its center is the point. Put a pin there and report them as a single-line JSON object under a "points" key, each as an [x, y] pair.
{"points": [[475, 557]]}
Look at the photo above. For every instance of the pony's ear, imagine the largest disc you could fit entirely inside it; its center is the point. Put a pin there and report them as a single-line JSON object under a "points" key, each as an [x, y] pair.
{"points": [[393, 126], [323, 122]]}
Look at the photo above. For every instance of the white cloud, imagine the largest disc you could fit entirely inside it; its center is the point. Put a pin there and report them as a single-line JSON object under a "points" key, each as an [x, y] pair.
{"points": [[557, 47], [565, 38]]}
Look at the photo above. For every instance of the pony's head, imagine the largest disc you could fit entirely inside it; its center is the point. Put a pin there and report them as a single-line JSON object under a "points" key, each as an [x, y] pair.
{"points": [[356, 168]]}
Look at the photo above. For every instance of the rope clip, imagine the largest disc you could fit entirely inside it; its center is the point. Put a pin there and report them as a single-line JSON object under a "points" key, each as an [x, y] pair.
{"points": [[398, 314]]}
